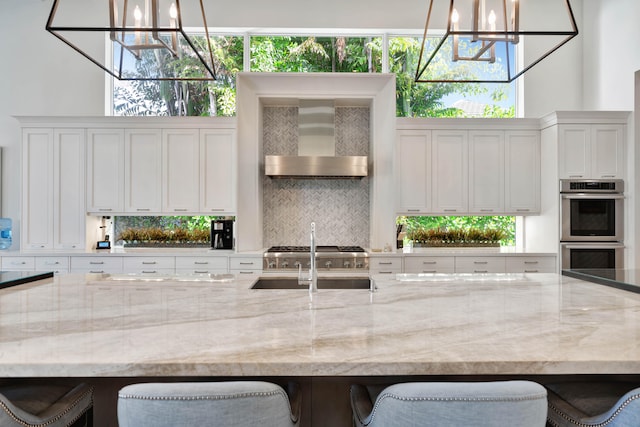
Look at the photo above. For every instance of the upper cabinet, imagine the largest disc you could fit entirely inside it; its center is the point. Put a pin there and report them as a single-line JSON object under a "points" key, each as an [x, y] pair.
{"points": [[53, 177], [151, 171], [462, 172], [591, 145], [591, 151]]}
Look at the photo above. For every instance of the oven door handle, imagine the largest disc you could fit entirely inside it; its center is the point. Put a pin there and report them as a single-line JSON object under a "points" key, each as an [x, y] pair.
{"points": [[603, 245], [585, 196]]}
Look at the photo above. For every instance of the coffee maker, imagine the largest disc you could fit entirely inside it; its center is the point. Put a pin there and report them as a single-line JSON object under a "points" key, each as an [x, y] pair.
{"points": [[222, 234]]}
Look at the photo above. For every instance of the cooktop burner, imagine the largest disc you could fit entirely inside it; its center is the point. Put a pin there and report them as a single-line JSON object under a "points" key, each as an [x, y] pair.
{"points": [[318, 249]]}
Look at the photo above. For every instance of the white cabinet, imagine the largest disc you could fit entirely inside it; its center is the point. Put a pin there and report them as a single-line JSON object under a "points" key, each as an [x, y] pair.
{"points": [[486, 172], [96, 264], [181, 170], [385, 265], [143, 171], [450, 172], [591, 151], [105, 171], [53, 203], [246, 265], [149, 264], [57, 264], [413, 174], [429, 264], [480, 264], [18, 263], [531, 264], [217, 171], [522, 172], [201, 264]]}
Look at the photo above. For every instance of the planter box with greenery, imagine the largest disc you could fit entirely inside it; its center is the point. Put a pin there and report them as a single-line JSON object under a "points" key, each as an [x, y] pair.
{"points": [[471, 237], [158, 237]]}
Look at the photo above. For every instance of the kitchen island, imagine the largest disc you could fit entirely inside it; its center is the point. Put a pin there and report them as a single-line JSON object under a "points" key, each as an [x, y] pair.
{"points": [[119, 331]]}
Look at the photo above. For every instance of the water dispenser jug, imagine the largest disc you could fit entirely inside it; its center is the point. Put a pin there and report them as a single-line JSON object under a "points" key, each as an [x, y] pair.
{"points": [[5, 233]]}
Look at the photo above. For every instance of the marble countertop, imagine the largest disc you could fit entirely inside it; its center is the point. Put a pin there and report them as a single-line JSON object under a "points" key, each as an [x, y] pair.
{"points": [[91, 326]]}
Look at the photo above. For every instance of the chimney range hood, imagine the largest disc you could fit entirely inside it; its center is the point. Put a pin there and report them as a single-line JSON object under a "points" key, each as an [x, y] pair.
{"points": [[316, 148]]}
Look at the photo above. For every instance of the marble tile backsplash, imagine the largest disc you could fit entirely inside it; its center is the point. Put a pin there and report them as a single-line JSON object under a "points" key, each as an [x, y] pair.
{"points": [[339, 207]]}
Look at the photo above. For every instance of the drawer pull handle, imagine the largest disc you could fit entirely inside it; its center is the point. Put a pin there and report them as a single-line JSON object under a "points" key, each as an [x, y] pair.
{"points": [[217, 210], [531, 262], [486, 210], [523, 210], [451, 210], [180, 210], [200, 271], [385, 263], [481, 262], [531, 271], [143, 209], [413, 210], [386, 272], [51, 263], [246, 263], [247, 272], [149, 271], [428, 271], [201, 262], [96, 262], [105, 209], [430, 262], [96, 271], [148, 262], [480, 271]]}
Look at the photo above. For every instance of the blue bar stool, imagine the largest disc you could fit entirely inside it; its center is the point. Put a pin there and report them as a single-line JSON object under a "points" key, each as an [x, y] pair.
{"points": [[51, 405], [451, 404], [591, 404], [214, 404]]}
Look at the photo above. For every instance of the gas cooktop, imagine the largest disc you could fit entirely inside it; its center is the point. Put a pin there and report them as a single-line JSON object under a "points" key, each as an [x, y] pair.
{"points": [[336, 249]]}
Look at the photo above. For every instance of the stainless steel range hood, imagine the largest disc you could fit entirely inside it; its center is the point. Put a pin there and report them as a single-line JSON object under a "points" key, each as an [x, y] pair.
{"points": [[316, 148]]}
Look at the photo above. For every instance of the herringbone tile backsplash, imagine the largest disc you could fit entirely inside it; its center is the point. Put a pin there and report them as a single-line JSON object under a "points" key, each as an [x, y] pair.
{"points": [[339, 207]]}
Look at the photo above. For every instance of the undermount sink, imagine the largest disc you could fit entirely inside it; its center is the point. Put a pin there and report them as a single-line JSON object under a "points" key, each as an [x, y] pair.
{"points": [[323, 283]]}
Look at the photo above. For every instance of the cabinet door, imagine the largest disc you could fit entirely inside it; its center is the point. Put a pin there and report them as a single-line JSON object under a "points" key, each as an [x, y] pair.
{"points": [[143, 171], [486, 172], [575, 151], [37, 189], [413, 171], [217, 171], [105, 171], [69, 216], [522, 170], [607, 151], [449, 166], [181, 170]]}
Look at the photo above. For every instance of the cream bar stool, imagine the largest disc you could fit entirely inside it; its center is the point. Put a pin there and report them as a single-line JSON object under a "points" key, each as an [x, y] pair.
{"points": [[451, 404], [51, 405], [590, 404], [212, 404]]}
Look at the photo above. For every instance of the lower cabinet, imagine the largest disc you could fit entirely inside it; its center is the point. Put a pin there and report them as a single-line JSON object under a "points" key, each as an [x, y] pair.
{"points": [[96, 264], [18, 263], [385, 265], [149, 265], [57, 264], [248, 265], [201, 264], [432, 264], [531, 264], [488, 264]]}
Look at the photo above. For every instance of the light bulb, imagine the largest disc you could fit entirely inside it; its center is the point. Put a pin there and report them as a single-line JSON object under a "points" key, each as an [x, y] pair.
{"points": [[137, 14], [455, 17], [173, 11], [492, 18]]}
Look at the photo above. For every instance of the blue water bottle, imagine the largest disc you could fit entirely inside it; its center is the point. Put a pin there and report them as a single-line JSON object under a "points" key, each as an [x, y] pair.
{"points": [[5, 233]]}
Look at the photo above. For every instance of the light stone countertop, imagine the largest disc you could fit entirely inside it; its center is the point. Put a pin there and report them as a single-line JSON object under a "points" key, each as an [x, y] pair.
{"points": [[89, 326]]}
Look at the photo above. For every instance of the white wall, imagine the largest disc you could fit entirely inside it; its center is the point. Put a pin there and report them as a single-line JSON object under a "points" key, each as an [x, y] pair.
{"points": [[45, 77]]}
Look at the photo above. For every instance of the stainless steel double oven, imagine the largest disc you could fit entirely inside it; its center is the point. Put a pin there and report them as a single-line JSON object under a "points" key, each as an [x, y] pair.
{"points": [[592, 223]]}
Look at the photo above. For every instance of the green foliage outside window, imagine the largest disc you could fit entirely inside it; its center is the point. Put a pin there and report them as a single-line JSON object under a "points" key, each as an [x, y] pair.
{"points": [[505, 223]]}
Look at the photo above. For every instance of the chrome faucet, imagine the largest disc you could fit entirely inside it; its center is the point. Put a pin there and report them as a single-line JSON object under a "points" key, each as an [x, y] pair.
{"points": [[312, 279]]}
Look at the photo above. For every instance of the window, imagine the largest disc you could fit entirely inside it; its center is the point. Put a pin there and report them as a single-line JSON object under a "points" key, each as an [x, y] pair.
{"points": [[313, 53], [481, 226]]}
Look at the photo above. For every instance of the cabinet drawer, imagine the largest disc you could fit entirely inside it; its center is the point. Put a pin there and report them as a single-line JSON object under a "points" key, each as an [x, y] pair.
{"points": [[57, 264], [18, 263], [94, 264], [245, 263], [139, 263], [388, 265], [432, 264], [480, 264], [202, 263], [528, 264]]}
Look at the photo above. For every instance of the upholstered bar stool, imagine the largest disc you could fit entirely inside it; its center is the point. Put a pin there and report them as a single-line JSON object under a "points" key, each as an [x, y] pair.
{"points": [[586, 404], [214, 404], [51, 405], [451, 404]]}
